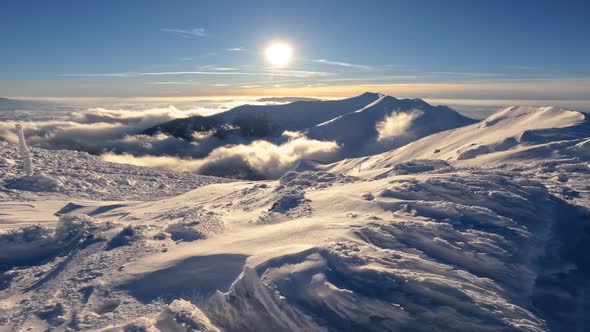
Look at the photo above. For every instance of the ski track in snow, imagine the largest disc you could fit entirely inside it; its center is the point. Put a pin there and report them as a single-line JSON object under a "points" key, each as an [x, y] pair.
{"points": [[429, 237]]}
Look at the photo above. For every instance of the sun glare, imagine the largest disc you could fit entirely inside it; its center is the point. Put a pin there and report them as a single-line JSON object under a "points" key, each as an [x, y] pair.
{"points": [[278, 54]]}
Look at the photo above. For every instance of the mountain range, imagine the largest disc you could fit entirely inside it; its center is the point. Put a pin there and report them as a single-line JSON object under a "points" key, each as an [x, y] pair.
{"points": [[352, 123]]}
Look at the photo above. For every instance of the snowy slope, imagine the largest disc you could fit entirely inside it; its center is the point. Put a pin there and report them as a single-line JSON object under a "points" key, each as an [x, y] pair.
{"points": [[507, 135], [492, 242], [358, 131]]}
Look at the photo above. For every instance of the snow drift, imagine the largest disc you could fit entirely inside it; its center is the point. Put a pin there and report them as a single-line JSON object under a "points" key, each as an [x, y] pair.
{"points": [[29, 245]]}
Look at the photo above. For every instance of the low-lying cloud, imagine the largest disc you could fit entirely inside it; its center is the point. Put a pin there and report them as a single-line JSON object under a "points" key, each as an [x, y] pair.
{"points": [[256, 160], [98, 130], [396, 124], [117, 136]]}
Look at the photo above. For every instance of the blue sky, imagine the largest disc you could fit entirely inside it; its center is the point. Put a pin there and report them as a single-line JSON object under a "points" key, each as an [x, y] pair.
{"points": [[184, 49]]}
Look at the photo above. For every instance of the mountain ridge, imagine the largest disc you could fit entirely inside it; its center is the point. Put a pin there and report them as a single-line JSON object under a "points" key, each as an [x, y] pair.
{"points": [[351, 122], [502, 136]]}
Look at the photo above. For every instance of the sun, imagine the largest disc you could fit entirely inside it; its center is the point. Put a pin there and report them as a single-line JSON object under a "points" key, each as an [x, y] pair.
{"points": [[278, 53]]}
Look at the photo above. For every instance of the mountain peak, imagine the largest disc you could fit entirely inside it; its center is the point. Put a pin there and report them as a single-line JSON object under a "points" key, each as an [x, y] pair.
{"points": [[370, 94]]}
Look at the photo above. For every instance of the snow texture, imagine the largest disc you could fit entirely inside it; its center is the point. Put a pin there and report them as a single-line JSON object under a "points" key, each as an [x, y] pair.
{"points": [[80, 175]]}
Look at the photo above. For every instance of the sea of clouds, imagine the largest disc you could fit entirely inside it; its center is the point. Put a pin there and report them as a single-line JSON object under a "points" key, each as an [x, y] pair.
{"points": [[116, 135]]}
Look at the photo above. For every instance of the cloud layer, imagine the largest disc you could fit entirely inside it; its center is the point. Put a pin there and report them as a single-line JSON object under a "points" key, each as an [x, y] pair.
{"points": [[256, 160], [117, 135], [96, 130], [196, 32]]}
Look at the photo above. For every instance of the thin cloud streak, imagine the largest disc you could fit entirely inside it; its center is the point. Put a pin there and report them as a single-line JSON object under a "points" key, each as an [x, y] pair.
{"points": [[170, 83], [223, 68], [225, 71], [464, 74], [196, 32], [523, 67], [341, 64], [299, 73]]}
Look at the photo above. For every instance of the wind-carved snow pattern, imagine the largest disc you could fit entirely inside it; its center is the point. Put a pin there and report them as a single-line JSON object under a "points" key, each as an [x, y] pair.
{"points": [[289, 201], [195, 225], [466, 243]]}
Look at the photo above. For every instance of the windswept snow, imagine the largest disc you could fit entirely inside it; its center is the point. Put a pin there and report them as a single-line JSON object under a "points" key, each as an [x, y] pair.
{"points": [[483, 227], [82, 176]]}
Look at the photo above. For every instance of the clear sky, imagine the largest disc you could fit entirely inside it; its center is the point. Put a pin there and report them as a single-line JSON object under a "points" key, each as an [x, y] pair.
{"points": [[183, 49]]}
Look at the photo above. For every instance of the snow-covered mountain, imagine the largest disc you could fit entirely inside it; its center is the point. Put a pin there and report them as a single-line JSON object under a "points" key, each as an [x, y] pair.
{"points": [[483, 227], [408, 120], [511, 134], [266, 120], [353, 123]]}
